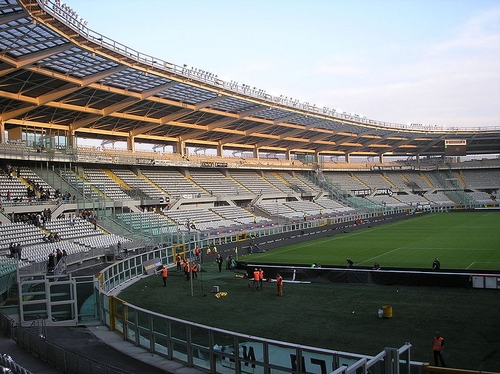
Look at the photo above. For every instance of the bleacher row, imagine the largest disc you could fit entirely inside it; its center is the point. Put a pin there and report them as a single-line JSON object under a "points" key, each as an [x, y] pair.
{"points": [[76, 237], [276, 194], [116, 184]]}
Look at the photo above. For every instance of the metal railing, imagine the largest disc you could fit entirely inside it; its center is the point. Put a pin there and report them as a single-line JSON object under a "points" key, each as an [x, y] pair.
{"points": [[216, 350]]}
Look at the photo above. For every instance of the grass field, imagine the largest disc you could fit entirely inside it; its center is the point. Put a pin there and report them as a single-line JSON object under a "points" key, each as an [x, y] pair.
{"points": [[460, 241], [344, 316]]}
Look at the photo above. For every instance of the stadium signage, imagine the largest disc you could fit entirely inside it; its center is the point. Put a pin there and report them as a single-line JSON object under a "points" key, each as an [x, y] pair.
{"points": [[162, 162], [384, 191], [145, 161], [362, 192], [150, 266], [211, 164], [393, 167], [427, 167]]}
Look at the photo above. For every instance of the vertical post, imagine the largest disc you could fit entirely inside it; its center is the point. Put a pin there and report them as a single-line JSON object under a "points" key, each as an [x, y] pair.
{"points": [[391, 361], [190, 263]]}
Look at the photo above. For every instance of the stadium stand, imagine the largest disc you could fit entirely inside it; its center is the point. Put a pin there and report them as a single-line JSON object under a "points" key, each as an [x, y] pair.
{"points": [[97, 196]]}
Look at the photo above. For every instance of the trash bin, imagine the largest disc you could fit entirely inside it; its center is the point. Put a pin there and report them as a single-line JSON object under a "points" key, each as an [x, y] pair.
{"points": [[380, 313], [387, 311]]}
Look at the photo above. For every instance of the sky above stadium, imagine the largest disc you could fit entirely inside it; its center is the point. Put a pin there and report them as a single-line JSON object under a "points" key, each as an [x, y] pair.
{"points": [[430, 62]]}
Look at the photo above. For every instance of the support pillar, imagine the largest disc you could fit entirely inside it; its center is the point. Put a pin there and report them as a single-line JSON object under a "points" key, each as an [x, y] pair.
{"points": [[220, 150], [317, 155], [2, 132], [131, 143], [381, 158], [347, 158], [71, 139], [256, 152], [180, 148]]}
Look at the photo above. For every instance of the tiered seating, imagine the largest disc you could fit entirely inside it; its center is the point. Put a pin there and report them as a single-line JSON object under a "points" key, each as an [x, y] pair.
{"points": [[101, 241], [215, 183], [344, 181], [278, 209], [205, 219], [238, 214], [398, 180], [85, 188], [68, 231], [21, 233], [92, 155], [279, 183], [105, 184], [174, 183], [481, 178], [75, 238], [307, 207], [40, 252], [141, 184], [386, 200], [300, 181], [412, 199], [439, 198], [481, 197], [18, 190], [255, 183], [148, 222], [28, 174], [333, 206], [373, 180], [7, 266], [434, 180], [15, 147], [419, 181]]}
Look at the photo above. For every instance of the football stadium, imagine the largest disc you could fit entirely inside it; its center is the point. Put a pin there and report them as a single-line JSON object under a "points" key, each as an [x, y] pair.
{"points": [[156, 218]]}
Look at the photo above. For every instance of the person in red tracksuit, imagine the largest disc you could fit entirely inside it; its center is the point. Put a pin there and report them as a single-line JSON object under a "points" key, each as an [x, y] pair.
{"points": [[437, 349]]}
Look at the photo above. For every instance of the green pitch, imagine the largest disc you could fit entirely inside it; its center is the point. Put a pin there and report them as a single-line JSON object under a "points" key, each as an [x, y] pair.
{"points": [[460, 241], [344, 316]]}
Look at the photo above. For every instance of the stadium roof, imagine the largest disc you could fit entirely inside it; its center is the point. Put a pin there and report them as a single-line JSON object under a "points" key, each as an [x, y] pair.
{"points": [[57, 74]]}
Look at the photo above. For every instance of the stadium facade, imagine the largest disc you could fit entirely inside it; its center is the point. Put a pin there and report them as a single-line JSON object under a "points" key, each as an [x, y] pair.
{"points": [[226, 162]]}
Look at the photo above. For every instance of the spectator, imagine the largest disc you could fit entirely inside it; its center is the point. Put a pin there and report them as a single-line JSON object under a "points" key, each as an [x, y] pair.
{"points": [[19, 250], [59, 255], [52, 261]]}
